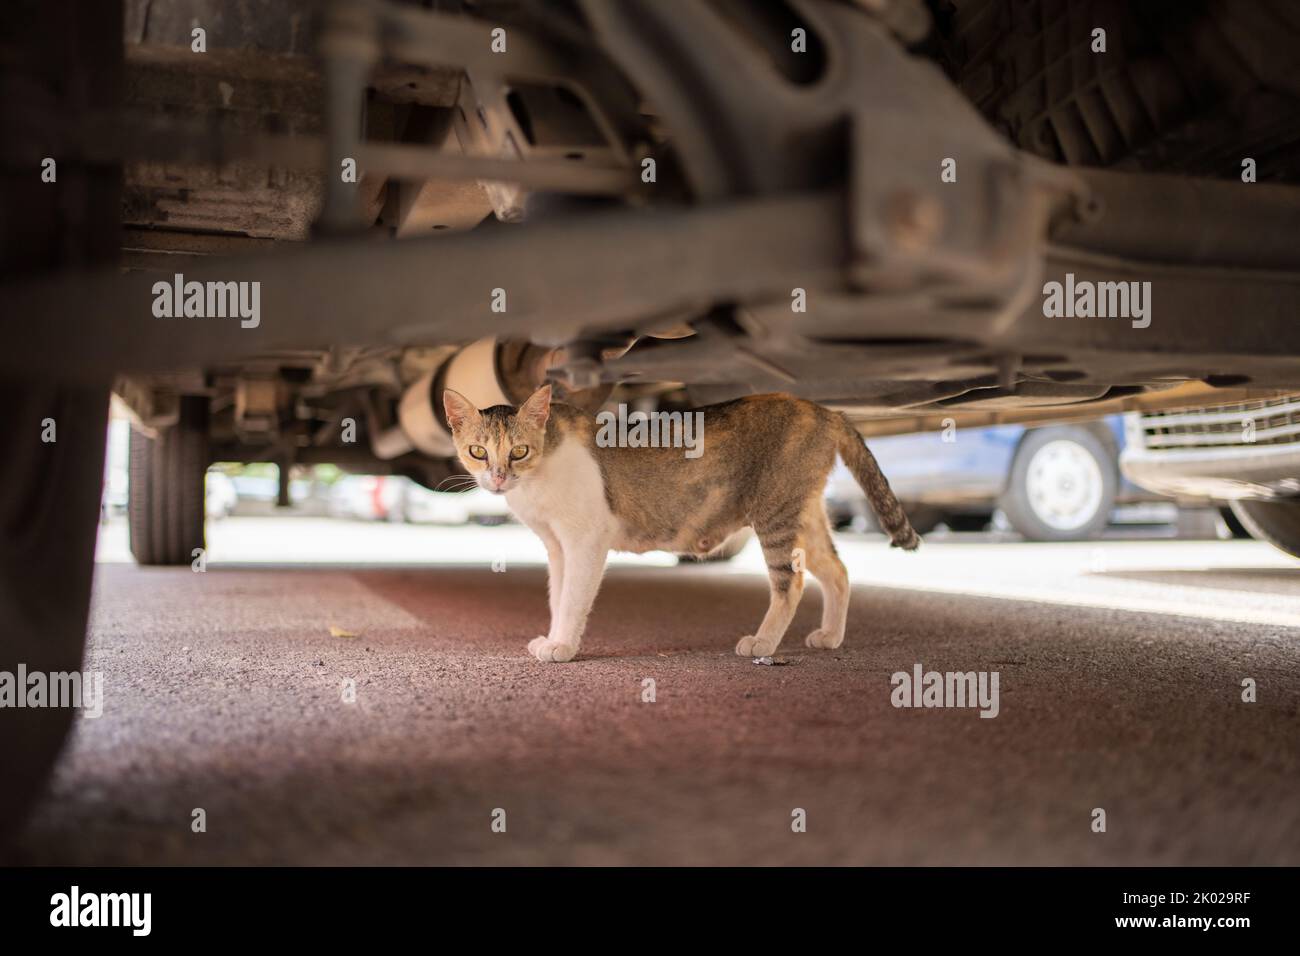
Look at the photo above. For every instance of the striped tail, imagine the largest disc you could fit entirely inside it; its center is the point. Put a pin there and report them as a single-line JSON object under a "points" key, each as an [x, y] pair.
{"points": [[892, 518]]}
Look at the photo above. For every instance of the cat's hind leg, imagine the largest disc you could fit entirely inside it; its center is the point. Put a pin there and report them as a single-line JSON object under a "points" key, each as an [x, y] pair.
{"points": [[785, 580], [830, 573]]}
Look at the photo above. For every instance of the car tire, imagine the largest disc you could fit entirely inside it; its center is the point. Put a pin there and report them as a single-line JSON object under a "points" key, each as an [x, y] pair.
{"points": [[967, 523], [60, 62], [922, 518], [49, 507], [166, 501], [1277, 522], [1062, 486], [1233, 524]]}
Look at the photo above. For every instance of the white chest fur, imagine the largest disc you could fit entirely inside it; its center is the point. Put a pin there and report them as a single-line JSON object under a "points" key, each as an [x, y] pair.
{"points": [[565, 495]]}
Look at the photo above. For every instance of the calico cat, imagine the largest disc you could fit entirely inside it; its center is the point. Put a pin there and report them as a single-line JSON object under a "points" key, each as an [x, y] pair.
{"points": [[765, 463]]}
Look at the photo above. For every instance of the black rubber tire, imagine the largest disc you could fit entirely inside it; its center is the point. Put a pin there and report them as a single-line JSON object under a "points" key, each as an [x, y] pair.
{"points": [[1015, 500], [165, 498], [1239, 530], [840, 521], [923, 518], [49, 510], [1277, 522], [969, 523], [59, 62]]}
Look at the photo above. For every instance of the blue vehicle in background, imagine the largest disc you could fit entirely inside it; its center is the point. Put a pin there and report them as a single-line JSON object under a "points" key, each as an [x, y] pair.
{"points": [[1054, 483]]}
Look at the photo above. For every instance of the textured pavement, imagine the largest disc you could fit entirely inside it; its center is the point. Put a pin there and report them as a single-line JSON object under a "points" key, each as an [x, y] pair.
{"points": [[224, 692]]}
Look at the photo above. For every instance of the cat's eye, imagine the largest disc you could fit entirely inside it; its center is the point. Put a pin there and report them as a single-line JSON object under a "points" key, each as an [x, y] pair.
{"points": [[518, 452], [478, 451]]}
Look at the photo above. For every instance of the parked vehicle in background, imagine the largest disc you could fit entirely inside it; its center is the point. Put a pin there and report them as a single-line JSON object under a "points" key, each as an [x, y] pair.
{"points": [[422, 506], [220, 496], [259, 494], [1244, 455], [1058, 483], [113, 500], [395, 498], [366, 498]]}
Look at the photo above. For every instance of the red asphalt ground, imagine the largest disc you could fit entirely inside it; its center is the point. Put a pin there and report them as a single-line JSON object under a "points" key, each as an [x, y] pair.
{"points": [[223, 693]]}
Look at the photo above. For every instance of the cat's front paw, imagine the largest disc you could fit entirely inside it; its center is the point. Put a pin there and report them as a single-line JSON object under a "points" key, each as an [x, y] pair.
{"points": [[750, 646], [824, 639], [551, 651]]}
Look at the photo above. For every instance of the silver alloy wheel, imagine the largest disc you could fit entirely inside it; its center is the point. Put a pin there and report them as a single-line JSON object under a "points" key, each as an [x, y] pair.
{"points": [[1064, 485]]}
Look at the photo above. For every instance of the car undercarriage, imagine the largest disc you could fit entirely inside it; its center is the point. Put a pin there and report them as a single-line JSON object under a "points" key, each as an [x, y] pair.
{"points": [[925, 215], [692, 206]]}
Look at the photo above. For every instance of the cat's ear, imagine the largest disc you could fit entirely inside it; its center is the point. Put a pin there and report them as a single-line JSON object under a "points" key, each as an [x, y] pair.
{"points": [[460, 410], [537, 409]]}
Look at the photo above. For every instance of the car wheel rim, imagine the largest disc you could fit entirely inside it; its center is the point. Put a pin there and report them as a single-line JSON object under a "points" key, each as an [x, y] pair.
{"points": [[1064, 485]]}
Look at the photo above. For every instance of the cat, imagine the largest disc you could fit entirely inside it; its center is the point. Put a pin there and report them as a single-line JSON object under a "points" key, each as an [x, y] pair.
{"points": [[765, 466]]}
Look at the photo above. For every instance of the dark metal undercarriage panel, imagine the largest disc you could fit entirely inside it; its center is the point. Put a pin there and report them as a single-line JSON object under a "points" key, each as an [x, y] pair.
{"points": [[799, 234]]}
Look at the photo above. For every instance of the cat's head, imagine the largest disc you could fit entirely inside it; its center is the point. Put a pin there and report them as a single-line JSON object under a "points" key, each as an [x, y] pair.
{"points": [[499, 445]]}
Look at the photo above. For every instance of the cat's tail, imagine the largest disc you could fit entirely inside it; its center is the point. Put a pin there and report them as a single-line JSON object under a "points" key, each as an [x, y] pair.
{"points": [[893, 520]]}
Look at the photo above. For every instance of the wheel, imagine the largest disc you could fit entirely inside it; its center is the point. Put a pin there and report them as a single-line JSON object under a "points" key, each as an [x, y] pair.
{"points": [[967, 522], [865, 523], [1277, 522], [923, 518], [49, 506], [1062, 486], [165, 493], [1234, 524], [56, 61]]}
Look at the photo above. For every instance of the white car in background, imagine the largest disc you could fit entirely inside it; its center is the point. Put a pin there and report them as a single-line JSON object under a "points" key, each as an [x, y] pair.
{"points": [[1245, 456], [395, 498], [219, 496], [422, 506]]}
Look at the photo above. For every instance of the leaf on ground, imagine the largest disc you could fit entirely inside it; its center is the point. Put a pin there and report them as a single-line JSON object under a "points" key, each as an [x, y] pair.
{"points": [[339, 632]]}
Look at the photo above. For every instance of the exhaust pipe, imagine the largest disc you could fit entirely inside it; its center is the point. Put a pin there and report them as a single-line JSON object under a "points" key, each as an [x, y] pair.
{"points": [[488, 373], [473, 372]]}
